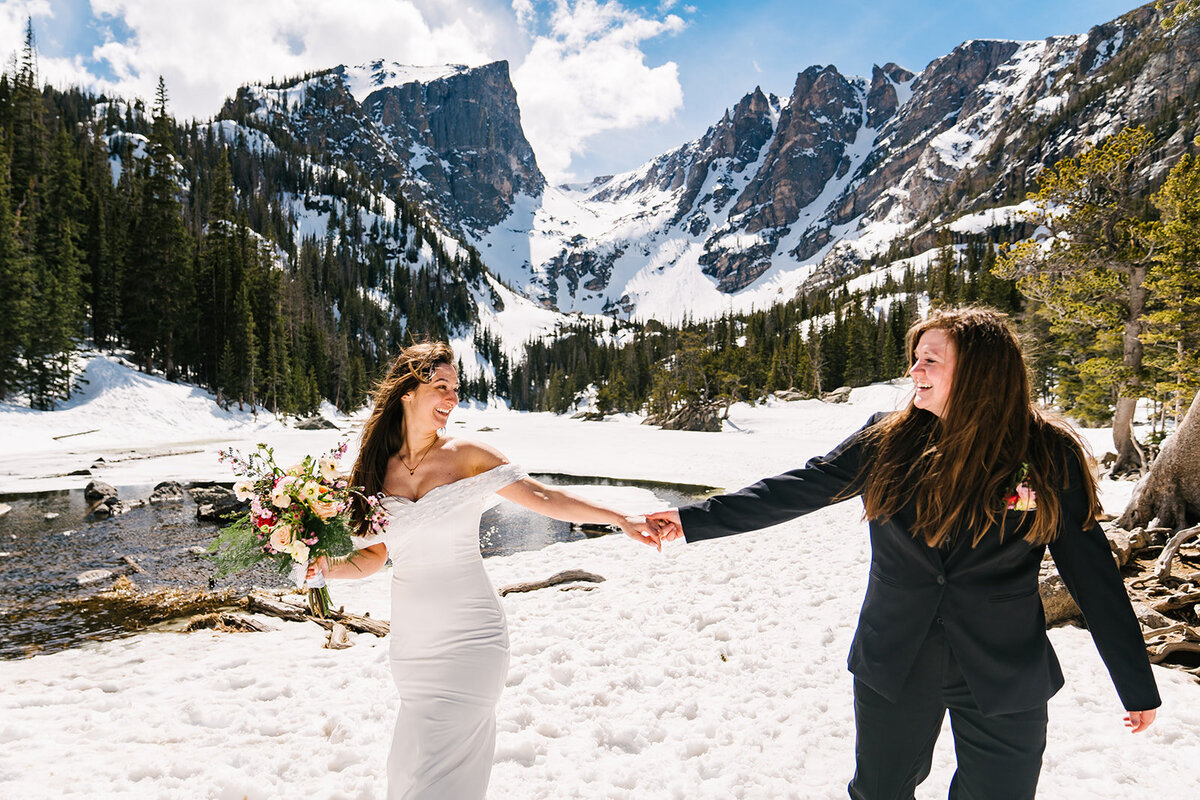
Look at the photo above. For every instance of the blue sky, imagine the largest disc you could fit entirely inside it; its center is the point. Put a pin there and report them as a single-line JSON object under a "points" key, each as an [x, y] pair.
{"points": [[603, 84], [730, 47]]}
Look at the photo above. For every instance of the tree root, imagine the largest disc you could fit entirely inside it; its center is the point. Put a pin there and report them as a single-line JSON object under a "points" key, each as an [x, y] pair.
{"points": [[1162, 567]]}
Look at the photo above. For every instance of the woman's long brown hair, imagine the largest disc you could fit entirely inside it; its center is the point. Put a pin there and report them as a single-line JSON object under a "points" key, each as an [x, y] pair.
{"points": [[383, 434], [957, 469]]}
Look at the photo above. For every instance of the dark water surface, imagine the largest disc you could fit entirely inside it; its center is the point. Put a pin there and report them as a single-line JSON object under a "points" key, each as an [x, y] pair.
{"points": [[44, 607]]}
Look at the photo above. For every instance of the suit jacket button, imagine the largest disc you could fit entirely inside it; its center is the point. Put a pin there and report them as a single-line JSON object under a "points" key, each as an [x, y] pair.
{"points": [[939, 621], [941, 579]]}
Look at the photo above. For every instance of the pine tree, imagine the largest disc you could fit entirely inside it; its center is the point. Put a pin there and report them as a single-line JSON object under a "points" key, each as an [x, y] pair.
{"points": [[1095, 270], [1173, 325], [103, 265], [244, 376], [219, 273], [15, 285], [860, 349], [58, 313], [274, 378], [28, 146], [159, 265], [891, 349], [943, 278]]}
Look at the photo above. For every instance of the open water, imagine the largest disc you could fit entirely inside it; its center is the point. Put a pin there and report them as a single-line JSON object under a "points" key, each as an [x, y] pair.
{"points": [[48, 540]]}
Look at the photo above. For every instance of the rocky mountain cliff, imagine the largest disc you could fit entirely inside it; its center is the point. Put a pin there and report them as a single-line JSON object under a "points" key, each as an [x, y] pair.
{"points": [[778, 194], [810, 185], [449, 137]]}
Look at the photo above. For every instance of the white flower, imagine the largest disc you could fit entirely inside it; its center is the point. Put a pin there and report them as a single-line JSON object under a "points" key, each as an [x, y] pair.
{"points": [[279, 495], [299, 551], [329, 470], [310, 492], [244, 490]]}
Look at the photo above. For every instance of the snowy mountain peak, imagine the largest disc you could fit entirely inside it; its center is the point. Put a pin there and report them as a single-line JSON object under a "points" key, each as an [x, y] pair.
{"points": [[778, 191], [448, 136], [363, 81]]}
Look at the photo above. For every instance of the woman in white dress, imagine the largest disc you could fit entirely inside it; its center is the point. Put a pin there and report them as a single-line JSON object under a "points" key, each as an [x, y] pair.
{"points": [[448, 639]]}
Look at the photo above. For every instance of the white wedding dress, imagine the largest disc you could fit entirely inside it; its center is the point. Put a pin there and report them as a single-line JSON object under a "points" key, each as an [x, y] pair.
{"points": [[449, 641]]}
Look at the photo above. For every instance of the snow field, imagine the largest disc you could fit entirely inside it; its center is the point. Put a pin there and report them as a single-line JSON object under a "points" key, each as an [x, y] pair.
{"points": [[712, 670]]}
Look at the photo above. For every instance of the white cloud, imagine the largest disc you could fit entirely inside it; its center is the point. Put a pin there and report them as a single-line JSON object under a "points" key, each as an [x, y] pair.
{"points": [[578, 65], [524, 11], [13, 15], [206, 49], [588, 75]]}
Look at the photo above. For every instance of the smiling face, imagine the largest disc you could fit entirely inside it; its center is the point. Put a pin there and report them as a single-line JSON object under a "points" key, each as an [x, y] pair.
{"points": [[933, 371], [429, 405]]}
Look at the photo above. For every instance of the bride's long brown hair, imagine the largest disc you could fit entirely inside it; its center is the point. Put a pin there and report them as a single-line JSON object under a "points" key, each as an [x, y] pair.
{"points": [[383, 434], [957, 469]]}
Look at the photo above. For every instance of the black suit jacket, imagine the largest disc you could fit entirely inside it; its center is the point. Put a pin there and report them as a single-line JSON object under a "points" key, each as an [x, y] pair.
{"points": [[986, 596]]}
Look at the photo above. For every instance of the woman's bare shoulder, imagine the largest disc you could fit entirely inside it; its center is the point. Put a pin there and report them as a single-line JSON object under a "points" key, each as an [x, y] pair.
{"points": [[475, 457]]}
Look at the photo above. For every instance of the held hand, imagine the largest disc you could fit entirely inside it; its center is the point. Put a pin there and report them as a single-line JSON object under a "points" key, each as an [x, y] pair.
{"points": [[1138, 721], [319, 564], [666, 524], [638, 529]]}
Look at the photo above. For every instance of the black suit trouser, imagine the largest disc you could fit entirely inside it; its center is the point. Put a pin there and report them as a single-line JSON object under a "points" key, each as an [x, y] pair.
{"points": [[999, 757]]}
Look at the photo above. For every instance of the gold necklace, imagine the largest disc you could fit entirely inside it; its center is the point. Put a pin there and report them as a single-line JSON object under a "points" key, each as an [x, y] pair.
{"points": [[413, 469]]}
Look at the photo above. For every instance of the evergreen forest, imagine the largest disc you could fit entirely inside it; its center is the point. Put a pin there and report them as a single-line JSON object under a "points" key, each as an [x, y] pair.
{"points": [[180, 246]]}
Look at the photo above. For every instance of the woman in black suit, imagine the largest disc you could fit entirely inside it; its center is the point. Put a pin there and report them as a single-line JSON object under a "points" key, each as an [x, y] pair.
{"points": [[964, 490]]}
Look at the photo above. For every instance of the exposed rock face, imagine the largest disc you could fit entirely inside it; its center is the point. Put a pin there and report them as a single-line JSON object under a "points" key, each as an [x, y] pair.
{"points": [[463, 135], [453, 140], [720, 160], [577, 261], [739, 138], [776, 182], [970, 131], [820, 121], [948, 88], [882, 99]]}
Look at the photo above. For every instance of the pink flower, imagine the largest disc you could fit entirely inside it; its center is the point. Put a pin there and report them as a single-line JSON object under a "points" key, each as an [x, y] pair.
{"points": [[281, 537], [262, 517], [323, 508], [1025, 499]]}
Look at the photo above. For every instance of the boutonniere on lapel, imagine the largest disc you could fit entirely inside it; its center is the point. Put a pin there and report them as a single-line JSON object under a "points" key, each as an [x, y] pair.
{"points": [[1020, 496]]}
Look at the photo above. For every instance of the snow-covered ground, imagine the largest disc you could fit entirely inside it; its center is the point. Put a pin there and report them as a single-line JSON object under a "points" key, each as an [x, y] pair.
{"points": [[712, 670]]}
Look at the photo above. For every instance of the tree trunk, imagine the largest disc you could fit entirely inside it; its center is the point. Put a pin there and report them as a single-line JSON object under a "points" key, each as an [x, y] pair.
{"points": [[1128, 457], [1170, 492]]}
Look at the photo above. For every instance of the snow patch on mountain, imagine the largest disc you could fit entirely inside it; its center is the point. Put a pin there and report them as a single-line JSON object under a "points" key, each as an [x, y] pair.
{"points": [[364, 80]]}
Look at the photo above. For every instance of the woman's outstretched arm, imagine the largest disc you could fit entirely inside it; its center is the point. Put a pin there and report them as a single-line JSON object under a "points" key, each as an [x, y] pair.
{"points": [[557, 503]]}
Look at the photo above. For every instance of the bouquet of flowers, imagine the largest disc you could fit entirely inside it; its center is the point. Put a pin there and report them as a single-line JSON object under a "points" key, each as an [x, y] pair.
{"points": [[296, 515]]}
